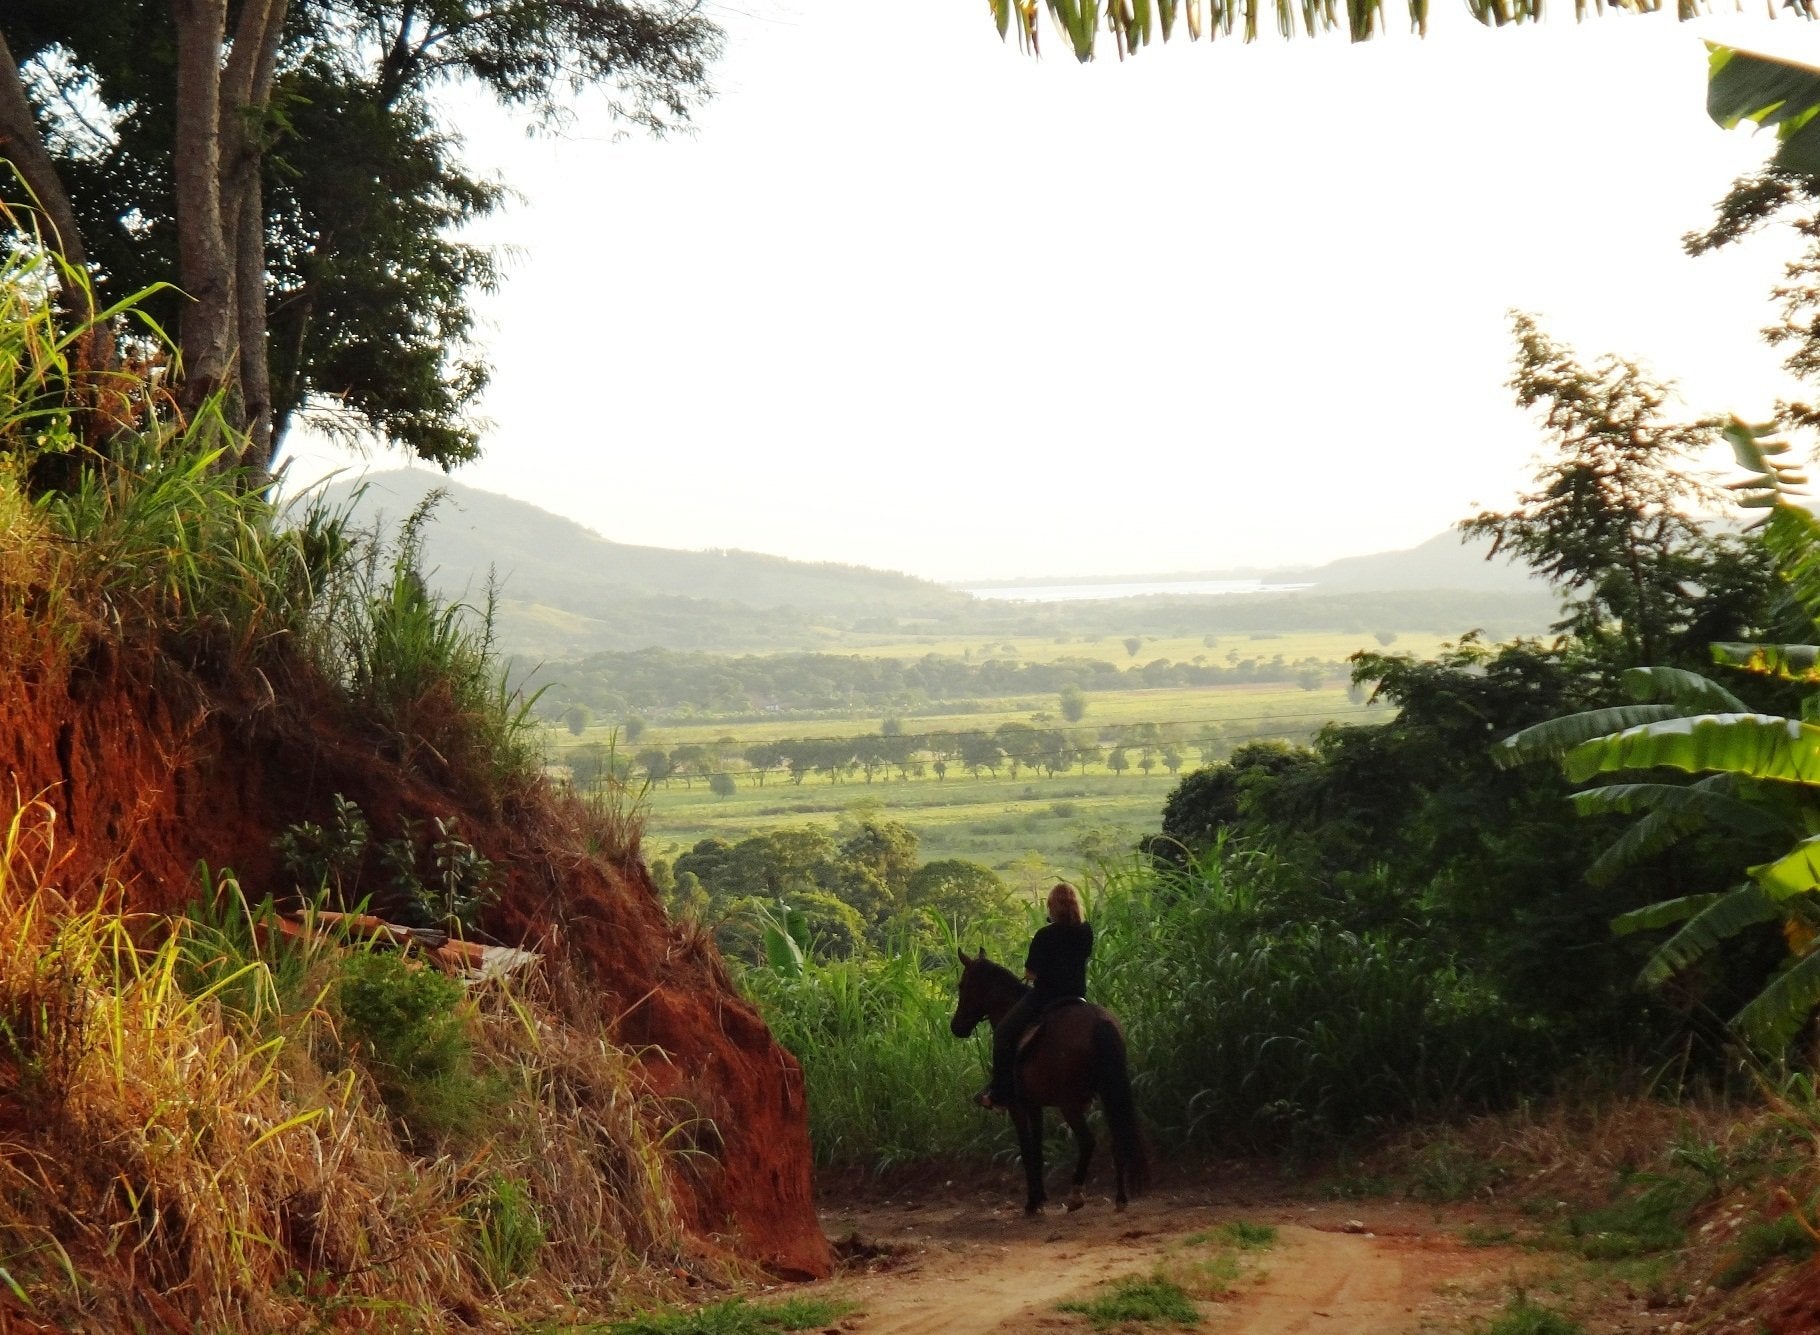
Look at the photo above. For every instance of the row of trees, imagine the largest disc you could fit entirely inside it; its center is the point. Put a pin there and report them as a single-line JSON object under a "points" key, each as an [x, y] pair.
{"points": [[680, 684], [1011, 749]]}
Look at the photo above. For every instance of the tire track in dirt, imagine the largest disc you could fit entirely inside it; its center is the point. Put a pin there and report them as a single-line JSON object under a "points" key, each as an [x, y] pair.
{"points": [[979, 1268]]}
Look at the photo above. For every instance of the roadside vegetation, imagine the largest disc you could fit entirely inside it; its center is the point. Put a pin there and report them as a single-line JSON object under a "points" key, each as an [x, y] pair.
{"points": [[1408, 923], [220, 1120]]}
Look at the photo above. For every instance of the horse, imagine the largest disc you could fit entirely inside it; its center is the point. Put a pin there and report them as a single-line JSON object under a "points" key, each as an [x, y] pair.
{"points": [[1077, 1052]]}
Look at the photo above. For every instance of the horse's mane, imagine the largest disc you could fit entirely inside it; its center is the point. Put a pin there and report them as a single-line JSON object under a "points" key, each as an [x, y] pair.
{"points": [[996, 972]]}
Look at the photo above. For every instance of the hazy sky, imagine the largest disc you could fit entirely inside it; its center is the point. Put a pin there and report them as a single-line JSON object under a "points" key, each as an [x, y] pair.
{"points": [[910, 299]]}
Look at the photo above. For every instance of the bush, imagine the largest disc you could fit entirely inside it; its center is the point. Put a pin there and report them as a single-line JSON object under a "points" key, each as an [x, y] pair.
{"points": [[404, 1023]]}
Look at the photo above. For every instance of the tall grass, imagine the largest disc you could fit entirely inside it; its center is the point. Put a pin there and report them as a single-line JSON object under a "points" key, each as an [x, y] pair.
{"points": [[886, 1082], [1257, 1015], [192, 1124], [153, 539]]}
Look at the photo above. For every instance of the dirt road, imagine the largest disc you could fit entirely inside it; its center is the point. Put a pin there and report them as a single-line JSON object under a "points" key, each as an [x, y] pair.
{"points": [[966, 1262]]}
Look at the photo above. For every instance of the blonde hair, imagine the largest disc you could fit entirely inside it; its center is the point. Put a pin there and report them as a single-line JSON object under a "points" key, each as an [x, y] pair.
{"points": [[1065, 904]]}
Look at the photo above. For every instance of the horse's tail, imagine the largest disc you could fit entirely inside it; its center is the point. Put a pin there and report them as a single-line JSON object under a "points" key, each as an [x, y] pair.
{"points": [[1113, 1079]]}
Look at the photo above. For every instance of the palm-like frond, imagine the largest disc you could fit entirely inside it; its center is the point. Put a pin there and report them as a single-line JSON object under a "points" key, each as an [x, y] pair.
{"points": [[1770, 479], [1670, 812], [1796, 872], [1555, 737], [1776, 1014], [1688, 691], [1665, 913], [1718, 921], [1792, 537], [1767, 90], [1759, 746], [1132, 24], [1787, 662]]}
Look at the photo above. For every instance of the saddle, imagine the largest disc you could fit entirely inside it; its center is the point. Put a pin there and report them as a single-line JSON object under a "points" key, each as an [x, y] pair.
{"points": [[1043, 1017]]}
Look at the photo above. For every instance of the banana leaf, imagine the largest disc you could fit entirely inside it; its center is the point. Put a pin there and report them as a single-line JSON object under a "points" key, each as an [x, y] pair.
{"points": [[1767, 90], [1719, 921], [1557, 736], [1760, 746]]}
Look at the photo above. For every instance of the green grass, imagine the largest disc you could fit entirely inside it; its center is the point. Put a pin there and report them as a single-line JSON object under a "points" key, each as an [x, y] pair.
{"points": [[1150, 1299], [1068, 822], [1267, 708], [733, 1317], [1523, 1317]]}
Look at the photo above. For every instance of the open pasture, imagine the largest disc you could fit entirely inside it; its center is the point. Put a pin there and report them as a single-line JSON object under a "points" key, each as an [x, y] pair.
{"points": [[1029, 826], [1269, 709], [1027, 823], [1334, 646]]}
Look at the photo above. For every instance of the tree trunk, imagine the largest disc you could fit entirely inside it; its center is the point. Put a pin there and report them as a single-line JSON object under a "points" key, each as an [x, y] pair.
{"points": [[205, 269], [246, 88], [23, 145]]}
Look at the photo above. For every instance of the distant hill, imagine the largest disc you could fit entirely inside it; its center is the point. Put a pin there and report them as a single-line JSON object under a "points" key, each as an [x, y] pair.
{"points": [[564, 591], [1443, 562]]}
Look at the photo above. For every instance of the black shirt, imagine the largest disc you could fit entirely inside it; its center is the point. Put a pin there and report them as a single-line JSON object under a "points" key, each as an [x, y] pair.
{"points": [[1058, 959]]}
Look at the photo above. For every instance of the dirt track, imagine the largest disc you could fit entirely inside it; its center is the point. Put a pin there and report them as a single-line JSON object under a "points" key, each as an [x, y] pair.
{"points": [[954, 1262]]}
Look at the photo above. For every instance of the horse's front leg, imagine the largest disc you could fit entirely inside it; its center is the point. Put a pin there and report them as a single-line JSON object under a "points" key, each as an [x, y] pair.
{"points": [[1083, 1151], [1029, 1121]]}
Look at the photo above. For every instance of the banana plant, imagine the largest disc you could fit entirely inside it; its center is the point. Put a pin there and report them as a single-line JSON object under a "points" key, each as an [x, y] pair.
{"points": [[1760, 773]]}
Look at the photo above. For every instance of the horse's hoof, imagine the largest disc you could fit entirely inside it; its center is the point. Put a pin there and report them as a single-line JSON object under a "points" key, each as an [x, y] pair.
{"points": [[1075, 1204], [1032, 1211], [1120, 1207]]}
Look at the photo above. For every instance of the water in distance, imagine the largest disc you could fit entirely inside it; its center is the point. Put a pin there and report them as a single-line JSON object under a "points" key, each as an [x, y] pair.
{"points": [[1067, 593]]}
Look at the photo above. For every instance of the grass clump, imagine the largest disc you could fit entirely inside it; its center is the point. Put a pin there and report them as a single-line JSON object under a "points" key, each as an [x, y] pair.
{"points": [[736, 1317], [1763, 1241], [1149, 1299], [1651, 1216], [1522, 1317]]}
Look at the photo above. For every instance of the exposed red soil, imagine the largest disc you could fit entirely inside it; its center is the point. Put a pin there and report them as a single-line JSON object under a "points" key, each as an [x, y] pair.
{"points": [[964, 1260], [152, 769]]}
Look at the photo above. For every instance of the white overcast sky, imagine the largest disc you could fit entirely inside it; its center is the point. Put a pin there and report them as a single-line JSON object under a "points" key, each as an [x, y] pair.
{"points": [[911, 299]]}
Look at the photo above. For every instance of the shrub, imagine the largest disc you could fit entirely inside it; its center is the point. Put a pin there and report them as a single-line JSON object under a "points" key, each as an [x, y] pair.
{"points": [[405, 1024]]}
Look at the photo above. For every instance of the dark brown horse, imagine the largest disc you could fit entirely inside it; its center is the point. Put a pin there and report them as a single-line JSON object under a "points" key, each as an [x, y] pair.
{"points": [[1078, 1053]]}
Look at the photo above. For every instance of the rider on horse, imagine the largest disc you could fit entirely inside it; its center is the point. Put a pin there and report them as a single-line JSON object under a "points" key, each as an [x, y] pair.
{"points": [[1056, 968]]}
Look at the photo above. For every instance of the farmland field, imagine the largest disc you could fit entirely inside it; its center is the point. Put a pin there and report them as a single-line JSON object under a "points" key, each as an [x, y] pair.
{"points": [[1027, 825]]}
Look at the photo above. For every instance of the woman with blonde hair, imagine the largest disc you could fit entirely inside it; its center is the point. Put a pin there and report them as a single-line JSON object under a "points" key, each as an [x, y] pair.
{"points": [[1056, 969]]}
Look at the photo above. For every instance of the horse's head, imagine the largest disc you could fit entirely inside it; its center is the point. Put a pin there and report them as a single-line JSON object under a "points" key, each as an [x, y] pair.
{"points": [[981, 982]]}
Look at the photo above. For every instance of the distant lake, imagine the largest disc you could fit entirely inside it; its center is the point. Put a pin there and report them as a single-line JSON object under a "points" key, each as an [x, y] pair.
{"points": [[1068, 593]]}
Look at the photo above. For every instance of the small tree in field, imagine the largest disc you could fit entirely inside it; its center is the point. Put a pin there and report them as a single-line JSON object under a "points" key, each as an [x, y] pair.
{"points": [[1074, 703], [721, 784]]}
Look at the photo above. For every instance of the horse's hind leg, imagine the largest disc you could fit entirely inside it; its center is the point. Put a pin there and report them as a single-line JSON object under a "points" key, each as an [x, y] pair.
{"points": [[1083, 1152], [1029, 1119]]}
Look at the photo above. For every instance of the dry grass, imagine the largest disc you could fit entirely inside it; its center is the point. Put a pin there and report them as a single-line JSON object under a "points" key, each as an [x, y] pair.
{"points": [[165, 1149]]}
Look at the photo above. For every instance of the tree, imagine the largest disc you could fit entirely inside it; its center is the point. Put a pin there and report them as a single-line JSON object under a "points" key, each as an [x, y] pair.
{"points": [[1758, 789], [1073, 704], [283, 161], [964, 895], [576, 718], [1132, 644], [721, 784], [1609, 525], [1117, 761], [635, 728]]}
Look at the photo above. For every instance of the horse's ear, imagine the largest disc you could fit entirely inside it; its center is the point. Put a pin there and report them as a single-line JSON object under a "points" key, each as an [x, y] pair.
{"points": [[965, 962], [982, 954]]}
